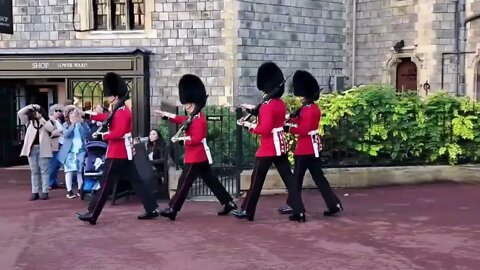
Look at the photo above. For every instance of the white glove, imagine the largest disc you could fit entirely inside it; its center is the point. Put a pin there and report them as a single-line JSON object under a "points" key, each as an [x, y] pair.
{"points": [[249, 125], [176, 139], [165, 114], [247, 106]]}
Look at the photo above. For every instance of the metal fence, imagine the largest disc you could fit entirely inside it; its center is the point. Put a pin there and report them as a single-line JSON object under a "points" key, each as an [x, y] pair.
{"points": [[233, 148]]}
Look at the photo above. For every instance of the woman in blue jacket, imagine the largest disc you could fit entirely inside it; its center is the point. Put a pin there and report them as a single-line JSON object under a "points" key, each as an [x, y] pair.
{"points": [[72, 153]]}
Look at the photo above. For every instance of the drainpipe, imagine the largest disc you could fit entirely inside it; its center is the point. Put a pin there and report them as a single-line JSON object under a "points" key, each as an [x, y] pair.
{"points": [[471, 18], [354, 41], [456, 33]]}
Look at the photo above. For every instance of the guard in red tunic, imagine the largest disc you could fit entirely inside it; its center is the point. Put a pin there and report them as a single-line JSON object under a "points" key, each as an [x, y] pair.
{"points": [[197, 153], [119, 163], [273, 145], [304, 123]]}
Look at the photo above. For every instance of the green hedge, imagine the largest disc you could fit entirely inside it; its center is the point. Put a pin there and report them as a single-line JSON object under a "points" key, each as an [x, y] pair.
{"points": [[374, 125], [394, 128]]}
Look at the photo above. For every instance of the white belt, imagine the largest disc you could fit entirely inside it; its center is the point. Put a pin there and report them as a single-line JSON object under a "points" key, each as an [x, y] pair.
{"points": [[128, 145], [207, 151], [315, 142], [277, 132]]}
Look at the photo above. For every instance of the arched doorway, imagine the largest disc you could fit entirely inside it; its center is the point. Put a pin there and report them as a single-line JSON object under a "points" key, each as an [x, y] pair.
{"points": [[406, 75], [477, 82]]}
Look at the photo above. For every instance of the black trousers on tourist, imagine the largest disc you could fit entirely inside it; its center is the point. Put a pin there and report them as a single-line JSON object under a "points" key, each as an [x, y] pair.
{"points": [[314, 165], [116, 169], [188, 176], [260, 170]]}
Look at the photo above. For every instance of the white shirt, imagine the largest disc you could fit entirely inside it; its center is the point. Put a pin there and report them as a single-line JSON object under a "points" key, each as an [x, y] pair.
{"points": [[59, 127]]}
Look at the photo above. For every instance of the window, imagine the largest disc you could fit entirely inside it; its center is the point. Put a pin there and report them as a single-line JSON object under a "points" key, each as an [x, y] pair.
{"points": [[119, 14], [90, 93]]}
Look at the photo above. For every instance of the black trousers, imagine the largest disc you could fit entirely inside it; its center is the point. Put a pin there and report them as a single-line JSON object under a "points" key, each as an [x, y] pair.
{"points": [[116, 169], [189, 174], [262, 165], [314, 165]]}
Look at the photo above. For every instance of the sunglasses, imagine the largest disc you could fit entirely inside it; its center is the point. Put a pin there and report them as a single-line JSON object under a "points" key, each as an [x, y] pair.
{"points": [[58, 111]]}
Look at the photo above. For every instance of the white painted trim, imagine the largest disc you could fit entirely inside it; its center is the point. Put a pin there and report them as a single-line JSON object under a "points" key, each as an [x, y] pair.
{"points": [[85, 11]]}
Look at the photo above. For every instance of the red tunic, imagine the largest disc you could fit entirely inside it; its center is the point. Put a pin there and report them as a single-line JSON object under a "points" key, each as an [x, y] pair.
{"points": [[121, 124], [271, 116], [194, 148], [307, 121]]}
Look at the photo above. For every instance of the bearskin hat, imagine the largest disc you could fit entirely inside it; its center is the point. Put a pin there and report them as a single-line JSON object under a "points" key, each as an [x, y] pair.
{"points": [[114, 85], [305, 85], [191, 90], [270, 77]]}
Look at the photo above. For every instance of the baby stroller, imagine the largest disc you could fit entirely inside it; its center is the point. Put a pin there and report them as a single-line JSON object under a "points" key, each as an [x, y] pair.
{"points": [[94, 165]]}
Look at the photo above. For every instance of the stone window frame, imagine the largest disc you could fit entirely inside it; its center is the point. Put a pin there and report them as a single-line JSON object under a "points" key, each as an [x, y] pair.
{"points": [[87, 21]]}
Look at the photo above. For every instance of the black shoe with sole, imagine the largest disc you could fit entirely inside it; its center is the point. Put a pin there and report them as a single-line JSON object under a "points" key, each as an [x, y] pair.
{"points": [[147, 216], [227, 208], [87, 217], [333, 211], [285, 210], [169, 212]]}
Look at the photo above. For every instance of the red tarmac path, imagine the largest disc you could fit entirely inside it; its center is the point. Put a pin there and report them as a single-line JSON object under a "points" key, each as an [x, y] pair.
{"points": [[432, 227]]}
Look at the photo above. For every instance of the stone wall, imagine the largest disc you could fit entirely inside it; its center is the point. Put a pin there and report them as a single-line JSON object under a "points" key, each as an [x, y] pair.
{"points": [[379, 25], [300, 34], [426, 26], [186, 37]]}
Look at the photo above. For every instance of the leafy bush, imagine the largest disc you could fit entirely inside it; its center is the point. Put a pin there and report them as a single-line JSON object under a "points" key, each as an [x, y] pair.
{"points": [[376, 125]]}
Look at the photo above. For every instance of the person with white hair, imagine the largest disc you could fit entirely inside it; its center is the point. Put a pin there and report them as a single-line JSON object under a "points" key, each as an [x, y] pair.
{"points": [[73, 151], [55, 114]]}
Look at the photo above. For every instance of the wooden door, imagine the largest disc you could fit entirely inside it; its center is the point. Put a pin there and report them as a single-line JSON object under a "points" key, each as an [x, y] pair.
{"points": [[406, 76]]}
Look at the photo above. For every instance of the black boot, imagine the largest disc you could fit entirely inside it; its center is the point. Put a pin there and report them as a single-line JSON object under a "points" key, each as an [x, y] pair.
{"points": [[227, 208], [87, 217], [44, 196], [298, 217], [244, 215], [285, 210], [169, 212], [151, 215], [34, 197], [333, 211]]}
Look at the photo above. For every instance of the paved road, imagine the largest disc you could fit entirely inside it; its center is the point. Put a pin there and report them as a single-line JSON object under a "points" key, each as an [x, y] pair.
{"points": [[430, 227]]}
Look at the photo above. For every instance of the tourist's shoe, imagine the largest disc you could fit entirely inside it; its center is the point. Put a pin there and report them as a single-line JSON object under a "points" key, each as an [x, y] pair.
{"points": [[70, 195], [34, 197]]}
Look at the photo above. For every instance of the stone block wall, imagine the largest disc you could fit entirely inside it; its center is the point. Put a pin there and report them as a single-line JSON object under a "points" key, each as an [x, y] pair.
{"points": [[296, 34], [187, 38], [426, 26], [379, 25]]}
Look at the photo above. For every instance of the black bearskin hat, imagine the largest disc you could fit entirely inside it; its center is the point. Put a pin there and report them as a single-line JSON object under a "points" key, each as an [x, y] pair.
{"points": [[114, 85], [305, 85], [191, 90], [269, 77]]}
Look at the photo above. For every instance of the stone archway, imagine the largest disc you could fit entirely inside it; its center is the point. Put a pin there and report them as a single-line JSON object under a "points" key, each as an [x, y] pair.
{"points": [[406, 76], [392, 64]]}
